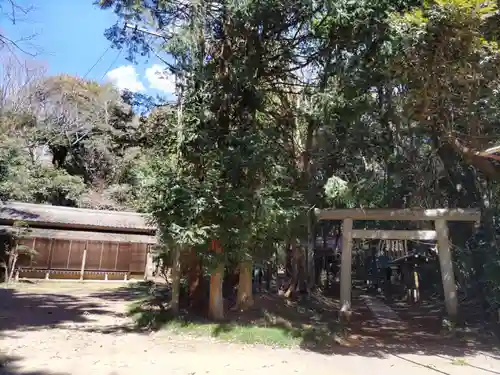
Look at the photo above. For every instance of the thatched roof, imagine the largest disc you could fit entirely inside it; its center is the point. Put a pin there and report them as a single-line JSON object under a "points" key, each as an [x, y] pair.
{"points": [[43, 215]]}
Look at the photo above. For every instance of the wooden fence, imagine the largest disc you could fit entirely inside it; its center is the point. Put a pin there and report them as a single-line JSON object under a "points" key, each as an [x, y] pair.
{"points": [[100, 256]]}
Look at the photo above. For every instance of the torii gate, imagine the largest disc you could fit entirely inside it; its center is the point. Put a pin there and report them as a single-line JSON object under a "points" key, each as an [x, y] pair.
{"points": [[440, 234]]}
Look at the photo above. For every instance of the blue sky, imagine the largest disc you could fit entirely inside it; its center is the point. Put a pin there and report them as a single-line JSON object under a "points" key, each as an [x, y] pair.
{"points": [[69, 38]]}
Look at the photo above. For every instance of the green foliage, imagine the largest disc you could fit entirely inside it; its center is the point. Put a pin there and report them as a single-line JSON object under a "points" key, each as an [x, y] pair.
{"points": [[282, 106], [49, 185], [24, 180], [178, 204], [338, 192], [68, 141], [221, 172], [11, 250]]}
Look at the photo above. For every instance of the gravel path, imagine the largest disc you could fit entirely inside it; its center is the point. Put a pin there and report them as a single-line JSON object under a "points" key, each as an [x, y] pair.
{"points": [[79, 333]]}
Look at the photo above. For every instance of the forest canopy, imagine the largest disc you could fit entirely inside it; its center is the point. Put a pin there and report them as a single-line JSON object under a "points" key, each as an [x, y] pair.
{"points": [[281, 107]]}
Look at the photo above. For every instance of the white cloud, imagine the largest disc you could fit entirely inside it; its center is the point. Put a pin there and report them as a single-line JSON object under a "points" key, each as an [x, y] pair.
{"points": [[126, 78], [160, 79]]}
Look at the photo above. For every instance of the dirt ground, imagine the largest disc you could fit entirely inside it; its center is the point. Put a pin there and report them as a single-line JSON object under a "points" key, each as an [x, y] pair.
{"points": [[73, 328]]}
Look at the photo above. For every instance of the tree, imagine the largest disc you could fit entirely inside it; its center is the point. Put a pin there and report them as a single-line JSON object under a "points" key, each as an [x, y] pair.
{"points": [[293, 105], [449, 65], [66, 140], [14, 12], [12, 250], [222, 138]]}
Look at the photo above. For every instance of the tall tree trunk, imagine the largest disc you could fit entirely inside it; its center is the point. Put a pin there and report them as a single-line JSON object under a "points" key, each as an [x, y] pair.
{"points": [[297, 270], [288, 260], [176, 280], [216, 302], [269, 275], [310, 251], [195, 280], [311, 197], [216, 299], [245, 297]]}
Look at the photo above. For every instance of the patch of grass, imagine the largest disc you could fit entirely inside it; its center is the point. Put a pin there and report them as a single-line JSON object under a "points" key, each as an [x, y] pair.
{"points": [[459, 362], [270, 330], [243, 334]]}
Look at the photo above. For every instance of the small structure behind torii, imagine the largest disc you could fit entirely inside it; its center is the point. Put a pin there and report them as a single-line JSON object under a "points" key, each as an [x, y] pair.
{"points": [[439, 234]]}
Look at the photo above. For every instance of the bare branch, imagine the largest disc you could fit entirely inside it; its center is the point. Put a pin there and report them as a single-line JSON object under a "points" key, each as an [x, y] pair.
{"points": [[14, 10], [6, 42], [13, 14]]}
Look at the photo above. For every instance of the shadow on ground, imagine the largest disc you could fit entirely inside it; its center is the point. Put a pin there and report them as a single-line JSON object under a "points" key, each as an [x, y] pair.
{"points": [[9, 365], [133, 292], [312, 323], [21, 310]]}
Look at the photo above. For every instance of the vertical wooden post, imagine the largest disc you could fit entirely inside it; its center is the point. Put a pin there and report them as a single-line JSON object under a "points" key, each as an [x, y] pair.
{"points": [[447, 274], [69, 253], [345, 268], [311, 242], [148, 267], [146, 263], [323, 230], [100, 258], [49, 261], [328, 274], [33, 247], [416, 284], [51, 251], [84, 258], [117, 251]]}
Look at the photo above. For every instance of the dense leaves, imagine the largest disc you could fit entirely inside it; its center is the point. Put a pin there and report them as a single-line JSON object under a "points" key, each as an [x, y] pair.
{"points": [[293, 104], [65, 140], [282, 106]]}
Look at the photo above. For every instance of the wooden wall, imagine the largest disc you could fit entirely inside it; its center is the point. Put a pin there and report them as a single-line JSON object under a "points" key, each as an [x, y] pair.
{"points": [[101, 256]]}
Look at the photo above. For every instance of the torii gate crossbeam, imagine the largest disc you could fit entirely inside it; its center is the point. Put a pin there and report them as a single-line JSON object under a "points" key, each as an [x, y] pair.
{"points": [[440, 217]]}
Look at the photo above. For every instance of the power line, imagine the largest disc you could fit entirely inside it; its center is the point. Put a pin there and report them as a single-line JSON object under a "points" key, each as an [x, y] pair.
{"points": [[142, 30], [112, 64], [97, 62], [152, 34], [136, 28]]}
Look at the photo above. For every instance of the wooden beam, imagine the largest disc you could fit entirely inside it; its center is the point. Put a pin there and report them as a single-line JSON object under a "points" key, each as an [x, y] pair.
{"points": [[346, 269], [102, 252], [116, 257], [394, 234], [311, 241], [76, 235], [33, 246], [148, 267], [51, 252], [447, 273], [84, 259], [455, 214], [69, 252], [489, 151]]}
